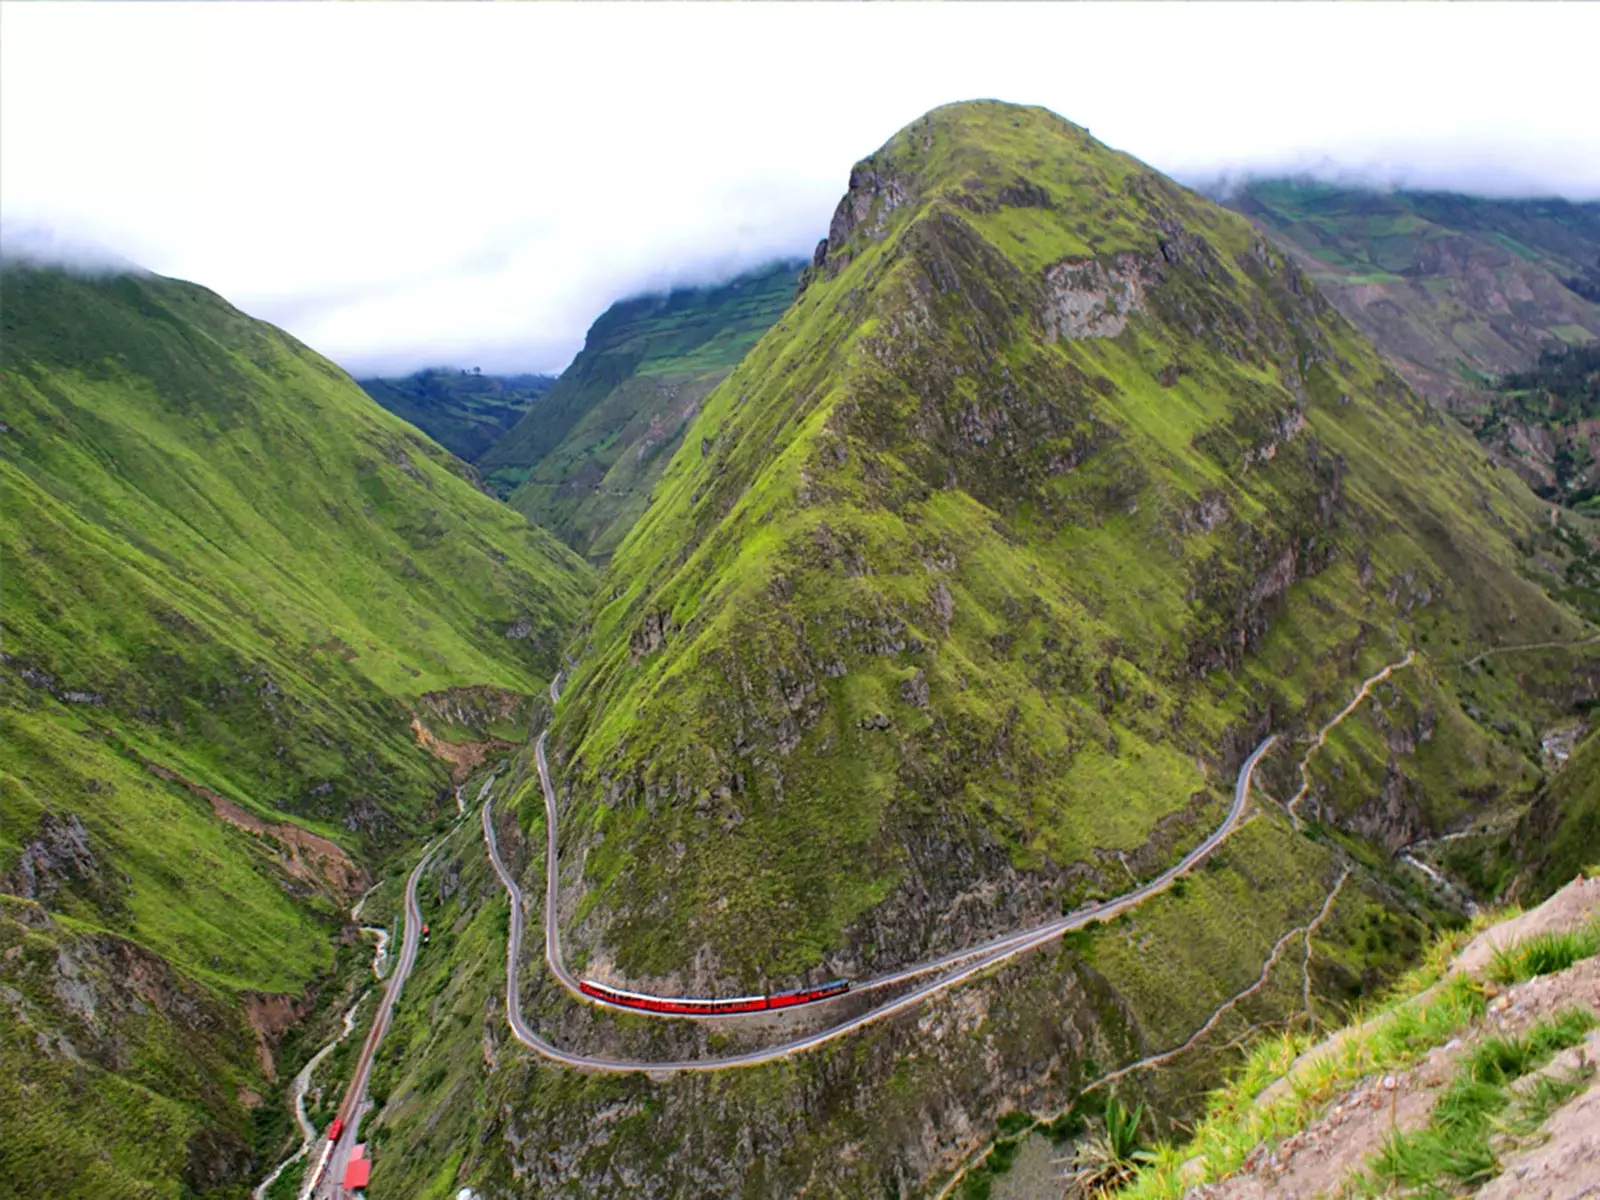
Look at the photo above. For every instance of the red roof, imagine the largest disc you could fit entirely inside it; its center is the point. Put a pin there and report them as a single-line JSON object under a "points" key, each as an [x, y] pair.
{"points": [[359, 1152], [357, 1173]]}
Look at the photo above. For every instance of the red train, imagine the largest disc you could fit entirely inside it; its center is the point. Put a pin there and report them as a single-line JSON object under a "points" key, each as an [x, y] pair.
{"points": [[335, 1129], [690, 1007]]}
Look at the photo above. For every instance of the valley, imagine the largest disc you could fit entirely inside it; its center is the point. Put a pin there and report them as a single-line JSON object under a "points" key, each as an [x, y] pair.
{"points": [[1057, 610]]}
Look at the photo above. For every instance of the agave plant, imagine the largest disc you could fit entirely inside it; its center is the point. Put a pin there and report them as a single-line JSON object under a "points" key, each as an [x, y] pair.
{"points": [[1109, 1156]]}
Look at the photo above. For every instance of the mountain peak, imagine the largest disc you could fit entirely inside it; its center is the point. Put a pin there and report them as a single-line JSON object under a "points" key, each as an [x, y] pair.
{"points": [[1042, 187]]}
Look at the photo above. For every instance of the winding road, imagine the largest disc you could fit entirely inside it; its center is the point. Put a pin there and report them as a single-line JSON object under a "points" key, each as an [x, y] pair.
{"points": [[329, 1185], [975, 958]]}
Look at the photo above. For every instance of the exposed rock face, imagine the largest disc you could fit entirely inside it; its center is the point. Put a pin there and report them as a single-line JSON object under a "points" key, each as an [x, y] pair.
{"points": [[873, 194], [86, 1007], [58, 857], [956, 1060], [1091, 298], [651, 634], [1393, 818], [271, 1016]]}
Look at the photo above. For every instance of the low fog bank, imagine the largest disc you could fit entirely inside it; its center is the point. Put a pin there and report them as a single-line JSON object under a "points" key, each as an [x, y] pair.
{"points": [[29, 243]]}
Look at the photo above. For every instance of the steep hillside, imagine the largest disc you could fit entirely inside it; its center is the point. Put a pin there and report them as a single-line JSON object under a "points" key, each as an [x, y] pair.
{"points": [[1545, 423], [466, 412], [1560, 835], [231, 585], [583, 463], [1056, 491], [1055, 478], [1455, 289]]}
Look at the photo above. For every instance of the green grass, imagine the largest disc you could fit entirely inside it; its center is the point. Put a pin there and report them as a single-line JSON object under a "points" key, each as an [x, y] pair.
{"points": [[1237, 1121], [1456, 1150], [466, 412], [1561, 834], [219, 559], [1544, 953], [838, 524], [1421, 253], [1427, 1008]]}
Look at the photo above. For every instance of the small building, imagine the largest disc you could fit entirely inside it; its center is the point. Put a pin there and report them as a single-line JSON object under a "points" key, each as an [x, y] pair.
{"points": [[356, 1173]]}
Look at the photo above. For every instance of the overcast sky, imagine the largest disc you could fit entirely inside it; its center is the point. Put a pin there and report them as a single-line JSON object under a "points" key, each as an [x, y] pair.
{"points": [[416, 184]]}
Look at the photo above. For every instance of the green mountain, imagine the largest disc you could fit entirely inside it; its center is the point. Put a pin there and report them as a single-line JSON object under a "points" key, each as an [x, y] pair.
{"points": [[466, 412], [235, 594], [1545, 423], [962, 601], [584, 461], [1455, 289]]}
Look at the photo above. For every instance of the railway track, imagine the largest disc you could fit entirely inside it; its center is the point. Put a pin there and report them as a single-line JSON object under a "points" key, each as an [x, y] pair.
{"points": [[957, 967]]}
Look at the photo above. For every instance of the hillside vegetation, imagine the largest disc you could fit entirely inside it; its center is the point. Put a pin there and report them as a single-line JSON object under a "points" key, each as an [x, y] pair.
{"points": [[1456, 290], [965, 595], [1056, 479], [1545, 423], [466, 412], [584, 461], [230, 582]]}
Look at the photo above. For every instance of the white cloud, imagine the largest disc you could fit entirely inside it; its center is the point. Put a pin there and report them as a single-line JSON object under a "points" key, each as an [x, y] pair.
{"points": [[409, 184]]}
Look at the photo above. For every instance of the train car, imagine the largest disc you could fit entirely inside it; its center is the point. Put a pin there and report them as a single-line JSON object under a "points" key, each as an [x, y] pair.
{"points": [[335, 1129], [827, 991], [689, 1006]]}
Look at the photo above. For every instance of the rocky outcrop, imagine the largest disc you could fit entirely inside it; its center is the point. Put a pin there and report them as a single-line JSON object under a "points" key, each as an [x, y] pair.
{"points": [[270, 1016], [58, 857], [1394, 817], [874, 192], [475, 709], [1093, 298], [651, 635], [95, 1016], [464, 757]]}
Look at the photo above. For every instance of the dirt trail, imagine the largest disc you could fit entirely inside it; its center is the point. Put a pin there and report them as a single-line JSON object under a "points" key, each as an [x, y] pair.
{"points": [[1479, 657], [1300, 931], [1322, 734]]}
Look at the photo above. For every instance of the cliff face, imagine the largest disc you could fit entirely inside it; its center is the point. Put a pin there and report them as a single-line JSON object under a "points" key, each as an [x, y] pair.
{"points": [[120, 1072], [1057, 486]]}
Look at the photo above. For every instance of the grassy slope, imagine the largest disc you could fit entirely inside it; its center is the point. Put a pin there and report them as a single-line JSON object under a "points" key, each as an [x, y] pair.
{"points": [[464, 412], [904, 482], [220, 556], [584, 461], [1455, 289]]}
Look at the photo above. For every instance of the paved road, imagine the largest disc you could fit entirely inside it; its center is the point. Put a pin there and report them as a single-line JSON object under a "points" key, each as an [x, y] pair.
{"points": [[961, 965], [355, 1103]]}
